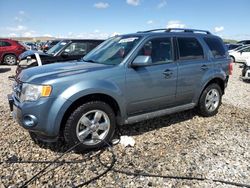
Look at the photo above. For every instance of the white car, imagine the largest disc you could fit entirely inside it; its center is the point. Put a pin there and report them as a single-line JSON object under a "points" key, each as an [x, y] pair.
{"points": [[240, 55], [246, 70]]}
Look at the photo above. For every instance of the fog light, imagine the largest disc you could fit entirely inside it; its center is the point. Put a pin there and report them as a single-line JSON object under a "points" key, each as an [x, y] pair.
{"points": [[29, 121]]}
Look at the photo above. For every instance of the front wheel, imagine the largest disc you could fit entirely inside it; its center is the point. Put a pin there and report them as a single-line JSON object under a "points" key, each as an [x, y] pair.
{"points": [[92, 124], [210, 100]]}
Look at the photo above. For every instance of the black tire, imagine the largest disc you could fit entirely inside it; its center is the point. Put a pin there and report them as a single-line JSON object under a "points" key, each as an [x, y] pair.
{"points": [[10, 59], [73, 123], [232, 57], [202, 109]]}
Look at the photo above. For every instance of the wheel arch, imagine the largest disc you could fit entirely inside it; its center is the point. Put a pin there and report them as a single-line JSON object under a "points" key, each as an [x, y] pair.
{"points": [[91, 97]]}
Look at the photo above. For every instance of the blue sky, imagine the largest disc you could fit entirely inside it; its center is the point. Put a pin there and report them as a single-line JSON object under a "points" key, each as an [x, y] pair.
{"points": [[103, 18]]}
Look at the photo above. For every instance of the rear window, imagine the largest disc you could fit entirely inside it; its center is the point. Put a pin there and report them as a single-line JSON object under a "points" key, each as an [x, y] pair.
{"points": [[216, 47], [190, 49]]}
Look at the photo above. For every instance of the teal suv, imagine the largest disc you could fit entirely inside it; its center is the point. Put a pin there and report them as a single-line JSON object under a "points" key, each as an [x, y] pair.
{"points": [[126, 79]]}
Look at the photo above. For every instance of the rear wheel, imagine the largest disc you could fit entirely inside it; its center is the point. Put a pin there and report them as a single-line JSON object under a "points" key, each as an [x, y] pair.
{"points": [[10, 59], [92, 124], [210, 100]]}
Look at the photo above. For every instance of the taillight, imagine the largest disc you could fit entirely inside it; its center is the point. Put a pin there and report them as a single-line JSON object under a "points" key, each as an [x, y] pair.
{"points": [[230, 67]]}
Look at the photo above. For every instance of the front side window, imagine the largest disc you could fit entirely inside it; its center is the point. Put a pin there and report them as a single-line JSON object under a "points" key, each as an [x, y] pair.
{"points": [[76, 48], [113, 50], [216, 47], [57, 47], [159, 50], [246, 50], [189, 49]]}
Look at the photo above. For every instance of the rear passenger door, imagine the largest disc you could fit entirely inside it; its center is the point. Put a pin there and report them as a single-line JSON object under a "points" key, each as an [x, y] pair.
{"points": [[192, 65]]}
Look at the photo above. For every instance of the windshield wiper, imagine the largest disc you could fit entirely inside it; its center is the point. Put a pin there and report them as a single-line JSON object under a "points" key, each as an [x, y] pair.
{"points": [[90, 61]]}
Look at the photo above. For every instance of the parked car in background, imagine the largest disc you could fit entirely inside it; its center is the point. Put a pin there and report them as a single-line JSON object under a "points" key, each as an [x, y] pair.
{"points": [[10, 50], [65, 50], [126, 79], [241, 55], [232, 46], [244, 42], [31, 45], [49, 44], [246, 70], [238, 48]]}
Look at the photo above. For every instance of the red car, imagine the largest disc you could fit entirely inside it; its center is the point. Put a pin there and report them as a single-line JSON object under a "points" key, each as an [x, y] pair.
{"points": [[10, 50]]}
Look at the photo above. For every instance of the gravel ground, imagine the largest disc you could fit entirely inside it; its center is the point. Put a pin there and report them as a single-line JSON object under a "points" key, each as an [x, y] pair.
{"points": [[181, 144]]}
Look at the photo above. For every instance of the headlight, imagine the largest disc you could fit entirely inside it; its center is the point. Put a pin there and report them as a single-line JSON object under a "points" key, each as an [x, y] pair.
{"points": [[31, 92]]}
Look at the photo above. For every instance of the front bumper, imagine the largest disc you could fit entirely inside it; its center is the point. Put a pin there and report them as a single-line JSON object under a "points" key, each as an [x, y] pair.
{"points": [[38, 117]]}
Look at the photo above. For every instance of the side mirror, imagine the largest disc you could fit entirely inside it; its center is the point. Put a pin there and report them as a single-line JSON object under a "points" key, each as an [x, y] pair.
{"points": [[142, 60]]}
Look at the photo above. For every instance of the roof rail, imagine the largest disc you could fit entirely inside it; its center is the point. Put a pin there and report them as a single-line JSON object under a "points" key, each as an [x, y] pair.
{"points": [[177, 29]]}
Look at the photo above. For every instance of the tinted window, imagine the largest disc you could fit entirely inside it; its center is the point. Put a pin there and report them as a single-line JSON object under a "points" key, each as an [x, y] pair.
{"points": [[216, 47], [189, 48], [4, 43], [159, 50], [76, 48], [245, 50]]}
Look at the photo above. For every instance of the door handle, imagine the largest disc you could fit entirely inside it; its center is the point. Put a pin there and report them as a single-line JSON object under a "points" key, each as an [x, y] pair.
{"points": [[167, 73], [204, 67]]}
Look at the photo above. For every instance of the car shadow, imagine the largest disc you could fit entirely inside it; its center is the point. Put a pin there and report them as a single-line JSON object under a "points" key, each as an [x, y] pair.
{"points": [[131, 129], [2, 70], [156, 123]]}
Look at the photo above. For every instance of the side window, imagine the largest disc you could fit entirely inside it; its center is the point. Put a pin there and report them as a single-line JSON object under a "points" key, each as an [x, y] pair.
{"points": [[4, 43], [76, 48], [246, 50], [216, 47], [160, 50], [190, 49]]}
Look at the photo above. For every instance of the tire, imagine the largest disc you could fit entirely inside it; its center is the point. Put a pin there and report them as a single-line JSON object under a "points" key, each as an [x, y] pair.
{"points": [[210, 100], [233, 59], [10, 59], [90, 123]]}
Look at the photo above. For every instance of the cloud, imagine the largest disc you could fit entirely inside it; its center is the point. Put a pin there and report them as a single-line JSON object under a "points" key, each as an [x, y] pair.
{"points": [[21, 12], [47, 35], [12, 35], [175, 24], [17, 28], [133, 2], [18, 19], [149, 22], [162, 4], [218, 29], [101, 5]]}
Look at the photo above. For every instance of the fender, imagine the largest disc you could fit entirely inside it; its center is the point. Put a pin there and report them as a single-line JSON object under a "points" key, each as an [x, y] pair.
{"points": [[77, 91]]}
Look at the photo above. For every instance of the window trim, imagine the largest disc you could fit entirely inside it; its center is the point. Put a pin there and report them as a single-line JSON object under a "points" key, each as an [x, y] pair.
{"points": [[178, 50]]}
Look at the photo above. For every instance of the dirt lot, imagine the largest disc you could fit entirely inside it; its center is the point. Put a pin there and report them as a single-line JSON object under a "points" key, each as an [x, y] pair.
{"points": [[181, 144]]}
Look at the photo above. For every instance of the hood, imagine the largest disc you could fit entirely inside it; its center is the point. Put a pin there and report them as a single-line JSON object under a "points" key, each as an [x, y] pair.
{"points": [[57, 70], [31, 53]]}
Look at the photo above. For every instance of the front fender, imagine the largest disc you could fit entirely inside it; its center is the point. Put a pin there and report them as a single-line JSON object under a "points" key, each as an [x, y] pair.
{"points": [[79, 90]]}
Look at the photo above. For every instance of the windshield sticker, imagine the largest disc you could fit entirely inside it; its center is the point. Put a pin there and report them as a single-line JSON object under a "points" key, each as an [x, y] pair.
{"points": [[63, 43], [128, 40]]}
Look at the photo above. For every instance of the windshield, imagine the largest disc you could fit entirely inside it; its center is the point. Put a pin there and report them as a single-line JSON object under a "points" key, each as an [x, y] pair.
{"points": [[113, 50], [57, 47]]}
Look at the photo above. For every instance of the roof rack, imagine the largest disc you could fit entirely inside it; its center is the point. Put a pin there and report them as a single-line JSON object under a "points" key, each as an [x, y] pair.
{"points": [[177, 29]]}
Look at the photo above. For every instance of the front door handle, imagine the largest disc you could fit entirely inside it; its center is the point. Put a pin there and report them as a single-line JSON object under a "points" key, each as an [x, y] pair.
{"points": [[204, 67], [167, 73]]}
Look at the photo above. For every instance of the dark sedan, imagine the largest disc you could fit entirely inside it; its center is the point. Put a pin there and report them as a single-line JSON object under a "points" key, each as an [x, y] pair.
{"points": [[65, 50]]}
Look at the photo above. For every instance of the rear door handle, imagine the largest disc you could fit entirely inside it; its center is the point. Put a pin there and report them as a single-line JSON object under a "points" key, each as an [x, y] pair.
{"points": [[167, 73], [204, 67]]}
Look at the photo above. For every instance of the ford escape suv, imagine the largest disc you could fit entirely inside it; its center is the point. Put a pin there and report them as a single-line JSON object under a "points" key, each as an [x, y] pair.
{"points": [[126, 79]]}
